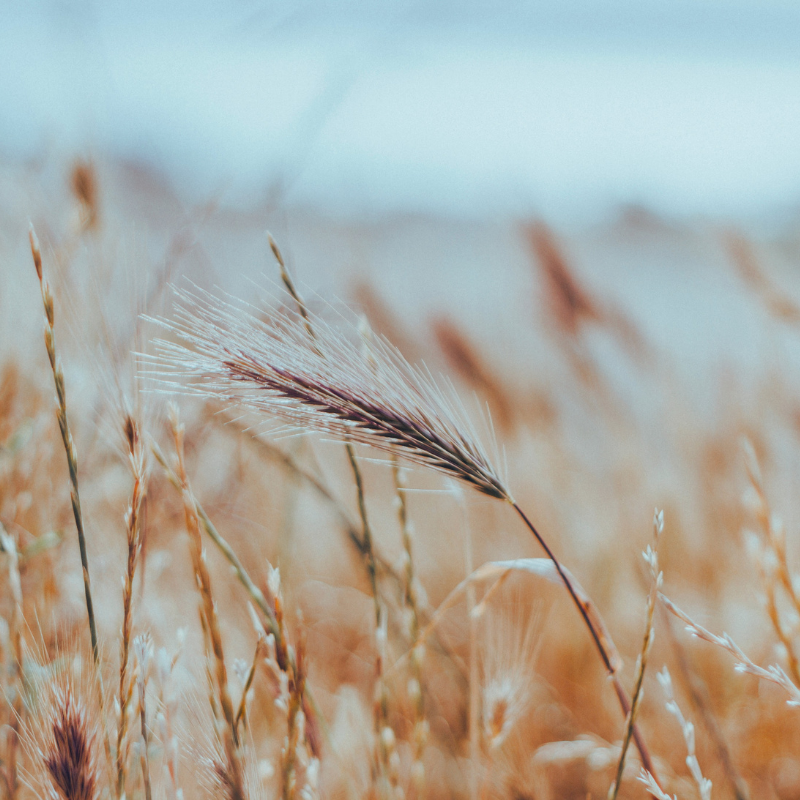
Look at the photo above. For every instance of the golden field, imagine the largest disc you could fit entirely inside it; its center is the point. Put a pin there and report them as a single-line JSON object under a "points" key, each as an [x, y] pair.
{"points": [[642, 363]]}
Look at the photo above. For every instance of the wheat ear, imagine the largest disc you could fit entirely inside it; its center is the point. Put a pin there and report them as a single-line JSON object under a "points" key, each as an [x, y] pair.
{"points": [[64, 743]]}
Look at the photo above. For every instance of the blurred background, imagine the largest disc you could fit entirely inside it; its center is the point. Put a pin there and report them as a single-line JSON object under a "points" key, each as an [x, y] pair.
{"points": [[471, 109]]}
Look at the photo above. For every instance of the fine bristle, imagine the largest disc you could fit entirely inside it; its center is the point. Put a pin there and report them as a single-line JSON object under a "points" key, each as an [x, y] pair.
{"points": [[325, 383]]}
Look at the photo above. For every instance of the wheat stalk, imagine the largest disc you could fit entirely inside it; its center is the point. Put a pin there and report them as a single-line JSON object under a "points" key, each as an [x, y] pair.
{"points": [[143, 647], [136, 457], [326, 383], [410, 601], [66, 436], [230, 736], [651, 557]]}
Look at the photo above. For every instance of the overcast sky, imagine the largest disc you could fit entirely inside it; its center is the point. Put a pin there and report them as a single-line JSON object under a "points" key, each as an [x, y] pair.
{"points": [[559, 108]]}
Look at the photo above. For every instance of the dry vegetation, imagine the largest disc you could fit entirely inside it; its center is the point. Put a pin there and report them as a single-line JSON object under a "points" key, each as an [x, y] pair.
{"points": [[253, 550]]}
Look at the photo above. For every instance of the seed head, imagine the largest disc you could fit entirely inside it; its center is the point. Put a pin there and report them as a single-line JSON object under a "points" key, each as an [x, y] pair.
{"points": [[68, 750], [322, 382]]}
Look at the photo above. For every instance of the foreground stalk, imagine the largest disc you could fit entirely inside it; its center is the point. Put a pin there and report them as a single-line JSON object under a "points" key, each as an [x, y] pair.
{"points": [[66, 436], [602, 647]]}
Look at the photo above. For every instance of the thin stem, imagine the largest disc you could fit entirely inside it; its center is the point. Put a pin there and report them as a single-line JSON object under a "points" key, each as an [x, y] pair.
{"points": [[230, 738], [66, 436], [208, 526], [145, 742], [647, 761], [241, 573], [474, 700], [410, 602], [134, 538], [651, 556], [700, 698], [366, 534]]}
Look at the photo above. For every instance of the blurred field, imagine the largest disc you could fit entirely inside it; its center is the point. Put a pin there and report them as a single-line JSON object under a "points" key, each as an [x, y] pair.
{"points": [[623, 365]]}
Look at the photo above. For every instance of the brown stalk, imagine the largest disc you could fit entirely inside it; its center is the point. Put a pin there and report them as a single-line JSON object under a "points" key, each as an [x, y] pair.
{"points": [[241, 713], [134, 539], [417, 651], [143, 646], [66, 436], [366, 532], [297, 685], [230, 736], [600, 643]]}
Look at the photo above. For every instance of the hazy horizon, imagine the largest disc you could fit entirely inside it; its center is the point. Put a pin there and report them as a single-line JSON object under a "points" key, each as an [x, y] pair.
{"points": [[482, 110]]}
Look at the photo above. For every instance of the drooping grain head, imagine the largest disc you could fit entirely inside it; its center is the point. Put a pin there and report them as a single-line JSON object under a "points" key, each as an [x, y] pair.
{"points": [[325, 383]]}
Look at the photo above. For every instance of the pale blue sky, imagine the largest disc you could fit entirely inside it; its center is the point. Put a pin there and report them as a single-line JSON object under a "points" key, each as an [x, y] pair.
{"points": [[559, 108]]}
